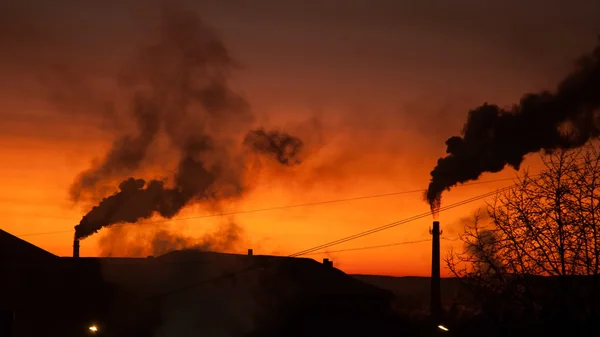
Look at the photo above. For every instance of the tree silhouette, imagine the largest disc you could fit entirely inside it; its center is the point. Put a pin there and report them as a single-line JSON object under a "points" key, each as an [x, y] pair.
{"points": [[533, 255]]}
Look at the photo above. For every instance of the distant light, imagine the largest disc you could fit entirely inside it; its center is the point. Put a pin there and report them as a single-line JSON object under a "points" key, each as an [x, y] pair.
{"points": [[93, 328], [441, 327]]}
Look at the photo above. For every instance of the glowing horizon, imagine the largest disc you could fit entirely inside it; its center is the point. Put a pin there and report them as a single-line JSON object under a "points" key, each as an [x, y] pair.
{"points": [[375, 101]]}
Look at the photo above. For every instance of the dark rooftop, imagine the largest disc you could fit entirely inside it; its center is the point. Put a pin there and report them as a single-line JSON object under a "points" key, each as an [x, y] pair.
{"points": [[14, 249]]}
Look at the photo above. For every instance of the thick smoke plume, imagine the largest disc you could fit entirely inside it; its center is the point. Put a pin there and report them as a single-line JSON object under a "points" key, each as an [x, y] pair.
{"points": [[494, 137], [179, 90]]}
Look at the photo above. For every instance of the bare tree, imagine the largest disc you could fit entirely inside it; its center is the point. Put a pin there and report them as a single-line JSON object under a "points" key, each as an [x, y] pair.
{"points": [[547, 224]]}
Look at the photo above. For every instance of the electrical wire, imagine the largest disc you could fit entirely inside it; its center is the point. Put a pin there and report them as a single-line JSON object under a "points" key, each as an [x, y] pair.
{"points": [[267, 209], [374, 247], [326, 245], [325, 252], [188, 262], [397, 223]]}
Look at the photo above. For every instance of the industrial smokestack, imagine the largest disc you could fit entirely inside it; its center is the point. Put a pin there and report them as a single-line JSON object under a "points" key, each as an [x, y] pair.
{"points": [[75, 248], [436, 301]]}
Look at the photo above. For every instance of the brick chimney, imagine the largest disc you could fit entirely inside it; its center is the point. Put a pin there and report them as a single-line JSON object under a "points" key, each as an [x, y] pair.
{"points": [[250, 252]]}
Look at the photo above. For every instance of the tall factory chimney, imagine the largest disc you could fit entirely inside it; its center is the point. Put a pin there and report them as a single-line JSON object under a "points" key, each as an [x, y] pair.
{"points": [[435, 292], [75, 248]]}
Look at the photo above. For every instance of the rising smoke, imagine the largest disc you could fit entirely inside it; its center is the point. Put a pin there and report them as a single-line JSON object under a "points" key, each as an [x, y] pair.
{"points": [[180, 89], [494, 137], [156, 240], [126, 153]]}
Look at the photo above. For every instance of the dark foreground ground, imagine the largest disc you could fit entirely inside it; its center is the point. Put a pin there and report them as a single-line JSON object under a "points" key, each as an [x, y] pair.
{"points": [[577, 315], [192, 293], [185, 293]]}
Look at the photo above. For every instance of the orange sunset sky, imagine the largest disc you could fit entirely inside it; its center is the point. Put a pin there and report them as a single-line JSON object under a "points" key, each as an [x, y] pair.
{"points": [[379, 85]]}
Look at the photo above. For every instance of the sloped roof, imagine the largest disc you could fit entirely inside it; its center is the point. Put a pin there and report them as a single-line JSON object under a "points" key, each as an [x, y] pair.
{"points": [[189, 289], [14, 249], [184, 268]]}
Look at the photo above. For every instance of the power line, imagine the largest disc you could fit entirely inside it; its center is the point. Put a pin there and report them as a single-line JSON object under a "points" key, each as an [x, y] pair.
{"points": [[337, 242], [333, 243], [275, 208], [311, 250], [397, 223], [374, 247], [187, 262]]}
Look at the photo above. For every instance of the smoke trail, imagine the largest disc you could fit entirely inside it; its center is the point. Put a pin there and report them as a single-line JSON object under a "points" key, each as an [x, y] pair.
{"points": [[156, 240], [126, 154], [283, 147], [494, 137], [180, 85]]}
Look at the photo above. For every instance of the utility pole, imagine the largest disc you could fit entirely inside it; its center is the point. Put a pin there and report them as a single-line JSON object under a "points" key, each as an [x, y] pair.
{"points": [[435, 306]]}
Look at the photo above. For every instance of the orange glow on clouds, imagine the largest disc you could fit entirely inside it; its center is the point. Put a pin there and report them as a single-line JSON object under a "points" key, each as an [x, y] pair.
{"points": [[387, 97], [33, 201]]}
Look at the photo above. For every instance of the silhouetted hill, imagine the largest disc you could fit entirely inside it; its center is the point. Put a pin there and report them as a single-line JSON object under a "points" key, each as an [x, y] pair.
{"points": [[560, 303], [412, 292]]}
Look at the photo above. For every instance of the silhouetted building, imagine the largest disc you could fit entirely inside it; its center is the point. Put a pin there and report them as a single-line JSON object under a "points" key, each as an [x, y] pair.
{"points": [[181, 290], [48, 295]]}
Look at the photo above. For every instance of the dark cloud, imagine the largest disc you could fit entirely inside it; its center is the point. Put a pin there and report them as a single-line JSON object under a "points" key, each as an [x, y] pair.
{"points": [[281, 146]]}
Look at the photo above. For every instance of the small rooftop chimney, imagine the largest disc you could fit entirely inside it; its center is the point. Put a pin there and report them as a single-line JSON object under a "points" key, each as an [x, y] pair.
{"points": [[75, 248], [250, 252]]}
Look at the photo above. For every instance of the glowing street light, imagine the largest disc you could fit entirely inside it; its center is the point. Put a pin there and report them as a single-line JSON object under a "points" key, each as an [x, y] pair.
{"points": [[443, 328], [93, 328]]}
